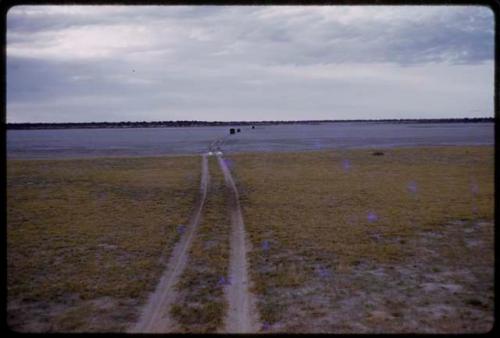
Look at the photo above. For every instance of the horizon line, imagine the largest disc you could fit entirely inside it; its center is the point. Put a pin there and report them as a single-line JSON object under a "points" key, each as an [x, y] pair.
{"points": [[260, 121]]}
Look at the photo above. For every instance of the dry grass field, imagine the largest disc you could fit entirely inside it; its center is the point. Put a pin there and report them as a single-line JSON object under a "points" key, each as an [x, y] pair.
{"points": [[346, 241], [201, 305], [342, 241], [87, 240]]}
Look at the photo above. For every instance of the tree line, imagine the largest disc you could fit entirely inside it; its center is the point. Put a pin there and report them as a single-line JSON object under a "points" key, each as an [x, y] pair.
{"points": [[195, 123]]}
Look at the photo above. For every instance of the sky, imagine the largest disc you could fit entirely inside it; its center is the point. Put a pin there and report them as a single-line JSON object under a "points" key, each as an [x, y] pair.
{"points": [[244, 63]]}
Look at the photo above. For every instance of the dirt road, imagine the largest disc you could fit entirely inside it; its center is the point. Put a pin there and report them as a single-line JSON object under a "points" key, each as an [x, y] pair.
{"points": [[155, 317], [242, 316], [216, 145]]}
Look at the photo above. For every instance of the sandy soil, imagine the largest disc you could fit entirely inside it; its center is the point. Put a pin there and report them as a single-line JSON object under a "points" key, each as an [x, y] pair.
{"points": [[155, 317], [217, 144], [242, 316]]}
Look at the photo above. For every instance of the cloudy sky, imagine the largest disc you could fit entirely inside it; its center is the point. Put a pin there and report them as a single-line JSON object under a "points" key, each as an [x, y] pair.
{"points": [[150, 63]]}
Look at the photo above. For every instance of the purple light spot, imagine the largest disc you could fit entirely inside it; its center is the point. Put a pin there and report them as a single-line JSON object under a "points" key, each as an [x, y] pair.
{"points": [[346, 164], [265, 245], [181, 229], [372, 217], [224, 281], [323, 272], [412, 187], [266, 326], [229, 163]]}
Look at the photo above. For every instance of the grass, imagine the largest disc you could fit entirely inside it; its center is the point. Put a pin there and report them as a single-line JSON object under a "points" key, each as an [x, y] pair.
{"points": [[342, 241], [88, 239], [342, 226], [201, 305]]}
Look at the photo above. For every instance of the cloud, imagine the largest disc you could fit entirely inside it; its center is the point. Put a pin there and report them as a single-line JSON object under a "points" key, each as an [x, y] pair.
{"points": [[318, 34], [84, 63]]}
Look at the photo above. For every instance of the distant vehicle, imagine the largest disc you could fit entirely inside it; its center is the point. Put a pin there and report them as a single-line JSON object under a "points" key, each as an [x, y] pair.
{"points": [[238, 130], [253, 127], [218, 153], [210, 153], [231, 131]]}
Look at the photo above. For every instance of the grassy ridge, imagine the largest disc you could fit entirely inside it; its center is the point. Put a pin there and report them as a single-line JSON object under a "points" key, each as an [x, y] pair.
{"points": [[88, 239], [319, 219], [201, 305]]}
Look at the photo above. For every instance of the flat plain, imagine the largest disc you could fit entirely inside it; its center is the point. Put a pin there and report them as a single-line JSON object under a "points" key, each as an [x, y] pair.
{"points": [[342, 241], [87, 240], [347, 241]]}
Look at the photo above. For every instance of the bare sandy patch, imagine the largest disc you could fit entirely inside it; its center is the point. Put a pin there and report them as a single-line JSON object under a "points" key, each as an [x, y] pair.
{"points": [[242, 316]]}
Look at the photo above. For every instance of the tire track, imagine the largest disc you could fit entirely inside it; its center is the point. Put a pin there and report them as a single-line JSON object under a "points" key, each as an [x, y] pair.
{"points": [[155, 317], [242, 316], [216, 144]]}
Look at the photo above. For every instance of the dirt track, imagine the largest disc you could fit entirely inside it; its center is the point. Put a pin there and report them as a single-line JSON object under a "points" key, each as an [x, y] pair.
{"points": [[242, 316], [155, 317], [216, 145]]}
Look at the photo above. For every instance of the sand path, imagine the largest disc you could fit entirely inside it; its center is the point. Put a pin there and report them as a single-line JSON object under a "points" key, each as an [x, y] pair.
{"points": [[242, 316], [216, 144], [155, 317]]}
